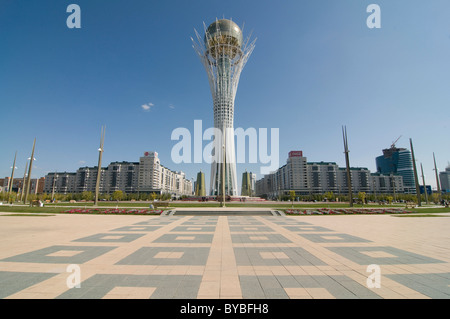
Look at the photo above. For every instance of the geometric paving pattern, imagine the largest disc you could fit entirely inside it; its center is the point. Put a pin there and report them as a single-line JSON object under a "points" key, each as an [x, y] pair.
{"points": [[164, 287], [61, 254], [243, 257], [167, 256], [334, 238], [267, 238], [275, 256], [12, 282], [382, 255], [110, 238], [435, 286], [281, 287]]}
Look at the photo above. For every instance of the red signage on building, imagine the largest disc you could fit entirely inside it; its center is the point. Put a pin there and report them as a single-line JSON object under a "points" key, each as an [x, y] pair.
{"points": [[296, 154]]}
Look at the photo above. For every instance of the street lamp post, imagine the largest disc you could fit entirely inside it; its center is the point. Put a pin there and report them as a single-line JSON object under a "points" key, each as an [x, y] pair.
{"points": [[12, 178], [393, 185], [424, 185], [29, 173], [416, 178], [437, 179], [347, 162], [24, 181], [99, 168], [53, 188]]}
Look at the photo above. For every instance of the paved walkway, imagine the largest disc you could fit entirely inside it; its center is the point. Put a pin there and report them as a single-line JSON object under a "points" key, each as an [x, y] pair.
{"points": [[234, 256]]}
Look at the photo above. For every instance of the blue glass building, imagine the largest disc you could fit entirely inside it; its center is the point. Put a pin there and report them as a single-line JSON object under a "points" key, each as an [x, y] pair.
{"points": [[398, 161]]}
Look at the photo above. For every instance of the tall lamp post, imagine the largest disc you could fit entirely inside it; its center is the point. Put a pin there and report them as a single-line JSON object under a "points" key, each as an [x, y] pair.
{"points": [[424, 185], [437, 179], [11, 181], [24, 182], [99, 168], [55, 177], [347, 162], [29, 173], [416, 177]]}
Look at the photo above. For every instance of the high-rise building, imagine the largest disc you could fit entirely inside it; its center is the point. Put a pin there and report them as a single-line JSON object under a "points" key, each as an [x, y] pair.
{"points": [[322, 177], [122, 176], [200, 187], [307, 178], [386, 184], [61, 183], [444, 177], [155, 178], [246, 189], [296, 165], [86, 179], [224, 54], [398, 161], [147, 175]]}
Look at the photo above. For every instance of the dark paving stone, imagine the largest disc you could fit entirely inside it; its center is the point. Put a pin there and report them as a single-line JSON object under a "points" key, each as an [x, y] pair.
{"points": [[13, 282], [78, 254]]}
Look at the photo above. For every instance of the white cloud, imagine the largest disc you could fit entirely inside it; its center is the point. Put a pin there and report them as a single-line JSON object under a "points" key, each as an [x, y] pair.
{"points": [[171, 106], [146, 107]]}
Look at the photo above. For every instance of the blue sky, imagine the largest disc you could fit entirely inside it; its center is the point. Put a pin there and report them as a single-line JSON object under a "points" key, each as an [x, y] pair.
{"points": [[316, 67]]}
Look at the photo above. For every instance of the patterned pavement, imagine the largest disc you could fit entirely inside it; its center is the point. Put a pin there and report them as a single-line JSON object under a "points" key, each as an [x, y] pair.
{"points": [[224, 257]]}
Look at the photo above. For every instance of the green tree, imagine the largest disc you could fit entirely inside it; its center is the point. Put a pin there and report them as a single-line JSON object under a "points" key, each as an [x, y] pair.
{"points": [[435, 197], [329, 196], [12, 197], [362, 197], [292, 197], [87, 195], [117, 195], [132, 196], [390, 199]]}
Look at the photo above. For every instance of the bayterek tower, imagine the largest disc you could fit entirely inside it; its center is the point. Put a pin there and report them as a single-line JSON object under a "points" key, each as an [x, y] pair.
{"points": [[224, 54]]}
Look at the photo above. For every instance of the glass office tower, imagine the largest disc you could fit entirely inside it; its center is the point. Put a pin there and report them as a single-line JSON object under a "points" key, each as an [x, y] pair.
{"points": [[398, 161]]}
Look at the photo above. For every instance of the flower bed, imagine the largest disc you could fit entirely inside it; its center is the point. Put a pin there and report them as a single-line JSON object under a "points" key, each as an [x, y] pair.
{"points": [[346, 211], [113, 211]]}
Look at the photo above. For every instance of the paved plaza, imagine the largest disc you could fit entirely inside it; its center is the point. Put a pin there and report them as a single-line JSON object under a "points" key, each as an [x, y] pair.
{"points": [[205, 256]]}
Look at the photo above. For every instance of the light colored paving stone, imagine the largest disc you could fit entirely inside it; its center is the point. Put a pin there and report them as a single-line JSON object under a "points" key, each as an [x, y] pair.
{"points": [[233, 257]]}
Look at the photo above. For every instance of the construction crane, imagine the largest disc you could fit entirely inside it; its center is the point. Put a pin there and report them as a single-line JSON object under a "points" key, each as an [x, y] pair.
{"points": [[393, 143]]}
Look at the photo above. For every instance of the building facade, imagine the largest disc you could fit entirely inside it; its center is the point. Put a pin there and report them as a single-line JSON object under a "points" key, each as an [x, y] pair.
{"points": [[36, 185], [444, 178], [62, 183], [121, 176], [200, 187], [246, 189], [398, 161], [386, 184], [360, 177], [147, 175], [307, 178], [155, 178], [86, 179]]}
